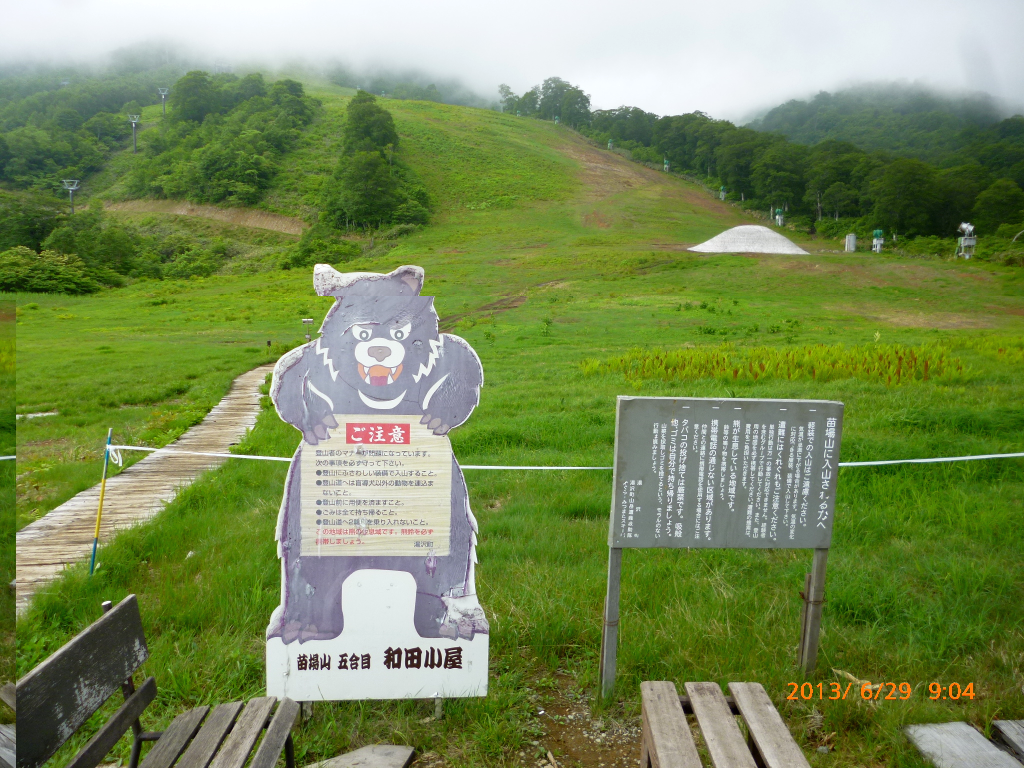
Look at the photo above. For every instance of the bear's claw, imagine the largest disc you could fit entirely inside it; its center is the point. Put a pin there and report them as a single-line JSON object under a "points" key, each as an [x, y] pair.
{"points": [[464, 618]]}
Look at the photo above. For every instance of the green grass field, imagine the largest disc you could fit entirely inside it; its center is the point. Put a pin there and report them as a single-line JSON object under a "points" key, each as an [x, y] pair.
{"points": [[565, 268]]}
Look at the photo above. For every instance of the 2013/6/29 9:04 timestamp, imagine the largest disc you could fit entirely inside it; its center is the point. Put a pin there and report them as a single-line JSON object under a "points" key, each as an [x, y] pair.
{"points": [[878, 691]]}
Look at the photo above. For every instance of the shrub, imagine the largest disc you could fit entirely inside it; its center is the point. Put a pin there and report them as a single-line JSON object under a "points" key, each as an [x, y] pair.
{"points": [[195, 262], [320, 244], [22, 269]]}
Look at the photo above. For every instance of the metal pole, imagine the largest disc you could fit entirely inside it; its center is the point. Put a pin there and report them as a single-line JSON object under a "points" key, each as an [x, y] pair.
{"points": [[813, 599], [99, 511], [610, 631], [70, 185]]}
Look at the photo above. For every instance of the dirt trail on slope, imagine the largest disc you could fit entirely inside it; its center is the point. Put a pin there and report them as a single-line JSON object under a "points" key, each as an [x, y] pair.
{"points": [[242, 217], [606, 173], [64, 536]]}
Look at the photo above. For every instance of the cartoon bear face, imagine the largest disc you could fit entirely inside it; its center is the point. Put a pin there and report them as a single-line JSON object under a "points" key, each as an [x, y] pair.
{"points": [[381, 347]]}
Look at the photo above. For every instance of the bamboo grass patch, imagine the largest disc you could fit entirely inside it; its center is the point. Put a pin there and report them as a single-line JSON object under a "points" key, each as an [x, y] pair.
{"points": [[890, 364]]}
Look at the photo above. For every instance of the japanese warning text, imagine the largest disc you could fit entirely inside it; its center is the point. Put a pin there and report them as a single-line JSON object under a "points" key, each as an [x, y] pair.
{"points": [[377, 489], [695, 472]]}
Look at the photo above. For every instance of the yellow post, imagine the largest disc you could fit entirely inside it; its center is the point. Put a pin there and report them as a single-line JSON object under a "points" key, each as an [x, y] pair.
{"points": [[103, 490]]}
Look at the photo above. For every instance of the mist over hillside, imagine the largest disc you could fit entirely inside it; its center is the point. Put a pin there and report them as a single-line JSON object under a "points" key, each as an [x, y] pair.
{"points": [[905, 119], [167, 62], [415, 84]]}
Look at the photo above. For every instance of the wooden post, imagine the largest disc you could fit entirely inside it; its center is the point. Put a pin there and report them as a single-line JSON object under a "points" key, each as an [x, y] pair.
{"points": [[610, 631], [803, 620], [438, 708], [813, 598]]}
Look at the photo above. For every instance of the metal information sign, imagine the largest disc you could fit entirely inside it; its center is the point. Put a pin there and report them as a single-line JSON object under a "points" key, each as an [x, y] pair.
{"points": [[698, 472], [723, 473]]}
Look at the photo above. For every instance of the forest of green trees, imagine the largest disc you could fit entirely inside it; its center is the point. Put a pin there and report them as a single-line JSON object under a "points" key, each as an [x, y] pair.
{"points": [[49, 131], [979, 179], [222, 141], [223, 138]]}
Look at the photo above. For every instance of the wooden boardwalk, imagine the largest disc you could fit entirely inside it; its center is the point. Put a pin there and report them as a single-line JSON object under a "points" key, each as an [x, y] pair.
{"points": [[64, 536]]}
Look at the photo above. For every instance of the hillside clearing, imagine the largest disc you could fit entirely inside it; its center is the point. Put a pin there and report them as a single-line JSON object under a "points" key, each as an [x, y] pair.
{"points": [[242, 217]]}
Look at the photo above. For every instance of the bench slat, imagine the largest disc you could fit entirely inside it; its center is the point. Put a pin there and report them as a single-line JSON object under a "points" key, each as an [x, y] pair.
{"points": [[8, 748], [1011, 732], [277, 734], [667, 742], [769, 732], [239, 744], [64, 691], [112, 731], [204, 746], [9, 696], [175, 738], [958, 745], [725, 742]]}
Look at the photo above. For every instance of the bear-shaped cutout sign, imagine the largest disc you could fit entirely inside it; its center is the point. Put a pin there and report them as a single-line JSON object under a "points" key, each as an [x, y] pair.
{"points": [[375, 535]]}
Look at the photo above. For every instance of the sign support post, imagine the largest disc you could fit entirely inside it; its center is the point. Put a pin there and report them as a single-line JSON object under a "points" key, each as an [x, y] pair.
{"points": [[610, 630], [814, 596]]}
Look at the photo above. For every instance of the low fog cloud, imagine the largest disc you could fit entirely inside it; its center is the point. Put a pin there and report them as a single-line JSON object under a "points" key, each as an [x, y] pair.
{"points": [[726, 58]]}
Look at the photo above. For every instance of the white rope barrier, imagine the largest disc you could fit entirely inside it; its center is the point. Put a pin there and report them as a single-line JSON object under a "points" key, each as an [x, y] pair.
{"points": [[489, 466], [115, 448], [8, 458], [174, 451], [930, 461]]}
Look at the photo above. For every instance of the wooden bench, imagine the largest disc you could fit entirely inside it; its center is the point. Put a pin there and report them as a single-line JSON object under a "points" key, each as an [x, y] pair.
{"points": [[64, 691], [8, 735], [959, 745], [668, 742]]}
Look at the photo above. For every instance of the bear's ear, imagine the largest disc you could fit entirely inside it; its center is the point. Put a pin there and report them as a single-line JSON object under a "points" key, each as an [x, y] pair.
{"points": [[411, 277], [404, 281]]}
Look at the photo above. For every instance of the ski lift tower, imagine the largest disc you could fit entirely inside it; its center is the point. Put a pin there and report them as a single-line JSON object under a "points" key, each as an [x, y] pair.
{"points": [[135, 122], [877, 240], [71, 185], [163, 97], [966, 242], [307, 323]]}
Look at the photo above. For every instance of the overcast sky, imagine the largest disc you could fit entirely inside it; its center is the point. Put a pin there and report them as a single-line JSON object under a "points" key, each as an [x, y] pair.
{"points": [[725, 57]]}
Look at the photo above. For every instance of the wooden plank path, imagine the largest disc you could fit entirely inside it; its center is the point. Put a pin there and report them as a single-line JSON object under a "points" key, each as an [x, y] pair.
{"points": [[64, 536]]}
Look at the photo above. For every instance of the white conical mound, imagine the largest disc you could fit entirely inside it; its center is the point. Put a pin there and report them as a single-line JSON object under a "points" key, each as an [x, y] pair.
{"points": [[749, 238]]}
